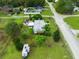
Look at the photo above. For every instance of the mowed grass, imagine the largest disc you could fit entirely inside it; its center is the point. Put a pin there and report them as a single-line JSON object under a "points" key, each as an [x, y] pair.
{"points": [[54, 51], [47, 12], [2, 13], [76, 13], [5, 21], [73, 22]]}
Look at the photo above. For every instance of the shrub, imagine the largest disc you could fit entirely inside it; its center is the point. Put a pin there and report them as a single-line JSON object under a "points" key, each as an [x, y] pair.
{"points": [[51, 0], [36, 17], [18, 44], [13, 30], [47, 31], [40, 39], [56, 35], [64, 7]]}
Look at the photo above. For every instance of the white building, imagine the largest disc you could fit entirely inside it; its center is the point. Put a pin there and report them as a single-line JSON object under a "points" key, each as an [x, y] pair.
{"points": [[33, 11], [39, 26], [25, 51]]}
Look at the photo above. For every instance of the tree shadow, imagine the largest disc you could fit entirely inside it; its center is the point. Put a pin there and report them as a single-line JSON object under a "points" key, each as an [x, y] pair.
{"points": [[18, 44]]}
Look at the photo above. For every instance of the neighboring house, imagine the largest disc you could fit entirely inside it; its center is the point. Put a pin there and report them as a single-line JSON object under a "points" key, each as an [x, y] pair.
{"points": [[76, 9], [38, 25], [6, 9], [32, 11]]}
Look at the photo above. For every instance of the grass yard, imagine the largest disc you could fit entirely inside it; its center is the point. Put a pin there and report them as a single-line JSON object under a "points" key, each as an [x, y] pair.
{"points": [[76, 13], [4, 21], [73, 22], [56, 51], [47, 12], [2, 13], [48, 50]]}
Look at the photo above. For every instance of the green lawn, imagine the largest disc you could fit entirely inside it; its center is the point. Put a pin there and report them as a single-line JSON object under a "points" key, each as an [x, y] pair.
{"points": [[76, 13], [73, 22], [54, 51], [47, 12], [3, 13], [4, 21]]}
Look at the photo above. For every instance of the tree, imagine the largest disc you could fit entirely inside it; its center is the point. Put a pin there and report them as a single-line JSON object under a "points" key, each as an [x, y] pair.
{"points": [[47, 31], [16, 3], [37, 16], [64, 6], [40, 39], [56, 35], [34, 3], [13, 30]]}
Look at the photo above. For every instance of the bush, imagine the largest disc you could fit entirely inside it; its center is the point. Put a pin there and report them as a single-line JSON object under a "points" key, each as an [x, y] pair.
{"points": [[78, 35], [64, 7], [40, 39], [13, 30], [24, 36], [51, 0], [47, 31], [56, 35], [18, 44], [37, 16]]}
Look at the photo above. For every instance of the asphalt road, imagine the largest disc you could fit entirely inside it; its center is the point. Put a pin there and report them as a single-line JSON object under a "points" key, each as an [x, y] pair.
{"points": [[68, 36]]}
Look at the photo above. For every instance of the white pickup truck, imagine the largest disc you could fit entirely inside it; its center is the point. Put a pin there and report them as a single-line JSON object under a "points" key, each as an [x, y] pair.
{"points": [[26, 50]]}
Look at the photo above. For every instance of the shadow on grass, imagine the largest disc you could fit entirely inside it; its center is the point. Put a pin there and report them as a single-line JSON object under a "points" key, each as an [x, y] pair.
{"points": [[18, 44]]}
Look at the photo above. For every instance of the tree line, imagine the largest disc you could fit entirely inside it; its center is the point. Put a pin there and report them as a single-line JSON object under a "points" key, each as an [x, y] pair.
{"points": [[16, 3], [66, 6]]}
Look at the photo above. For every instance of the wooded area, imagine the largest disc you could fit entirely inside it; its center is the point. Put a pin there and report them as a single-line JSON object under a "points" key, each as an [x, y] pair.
{"points": [[16, 3]]}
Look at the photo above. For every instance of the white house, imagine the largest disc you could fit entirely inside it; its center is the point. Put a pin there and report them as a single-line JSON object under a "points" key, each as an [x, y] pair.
{"points": [[39, 26], [25, 51]]}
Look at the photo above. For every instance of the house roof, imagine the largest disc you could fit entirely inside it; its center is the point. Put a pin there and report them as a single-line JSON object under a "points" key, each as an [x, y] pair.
{"points": [[38, 25]]}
